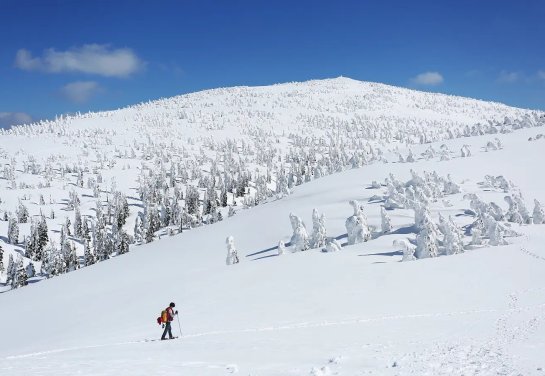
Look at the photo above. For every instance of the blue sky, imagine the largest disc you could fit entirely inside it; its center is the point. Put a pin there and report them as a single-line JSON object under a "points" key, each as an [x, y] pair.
{"points": [[62, 56]]}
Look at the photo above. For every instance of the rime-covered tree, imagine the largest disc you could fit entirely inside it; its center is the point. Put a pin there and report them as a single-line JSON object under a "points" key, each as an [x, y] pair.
{"points": [[232, 256], [67, 225], [407, 248], [452, 237], [476, 236], [356, 225], [122, 243], [192, 200], [223, 196], [70, 256], [11, 270], [77, 223], [332, 245], [21, 278], [2, 269], [85, 231], [138, 229], [88, 255], [539, 214], [385, 220], [152, 223], [22, 213], [13, 231], [427, 238], [299, 239], [318, 237], [99, 240], [30, 270]]}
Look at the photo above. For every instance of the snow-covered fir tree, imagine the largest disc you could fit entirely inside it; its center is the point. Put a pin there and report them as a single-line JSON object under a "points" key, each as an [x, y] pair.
{"points": [[232, 256], [122, 243], [11, 269], [30, 270], [299, 239], [21, 278], [538, 216], [356, 225], [385, 220], [72, 262], [427, 238], [318, 237], [22, 213], [476, 236], [77, 223], [407, 248], [2, 269], [13, 231], [496, 232], [452, 237], [152, 223], [138, 230]]}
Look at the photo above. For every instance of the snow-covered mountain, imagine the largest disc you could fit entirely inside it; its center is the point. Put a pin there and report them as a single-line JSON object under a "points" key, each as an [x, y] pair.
{"points": [[452, 181]]}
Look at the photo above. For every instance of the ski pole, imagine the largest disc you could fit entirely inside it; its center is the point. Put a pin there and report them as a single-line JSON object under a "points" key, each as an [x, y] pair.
{"points": [[179, 326]]}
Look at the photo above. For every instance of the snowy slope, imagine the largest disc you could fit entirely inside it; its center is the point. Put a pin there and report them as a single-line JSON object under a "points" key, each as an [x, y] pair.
{"points": [[351, 312], [357, 311], [293, 128]]}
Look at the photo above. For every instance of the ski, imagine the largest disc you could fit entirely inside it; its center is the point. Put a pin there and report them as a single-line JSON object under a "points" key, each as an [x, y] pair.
{"points": [[159, 339]]}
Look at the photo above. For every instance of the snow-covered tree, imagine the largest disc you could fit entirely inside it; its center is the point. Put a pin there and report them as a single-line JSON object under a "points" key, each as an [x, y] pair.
{"points": [[22, 213], [2, 269], [318, 237], [332, 245], [122, 243], [299, 239], [88, 255], [465, 151], [496, 234], [539, 214], [30, 270], [356, 225], [453, 237], [70, 257], [427, 238], [385, 220], [21, 278], [11, 270], [138, 229], [232, 256], [152, 223], [407, 248], [476, 236], [13, 231], [77, 223]]}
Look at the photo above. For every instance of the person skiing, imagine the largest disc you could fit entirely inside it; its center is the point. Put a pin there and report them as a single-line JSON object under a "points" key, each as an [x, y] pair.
{"points": [[169, 318]]}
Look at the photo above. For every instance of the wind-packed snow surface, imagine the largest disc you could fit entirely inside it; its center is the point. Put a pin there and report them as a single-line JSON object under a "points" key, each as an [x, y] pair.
{"points": [[354, 311]]}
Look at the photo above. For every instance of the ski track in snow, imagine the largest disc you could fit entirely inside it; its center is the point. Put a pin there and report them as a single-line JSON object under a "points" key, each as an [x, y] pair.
{"points": [[501, 327]]}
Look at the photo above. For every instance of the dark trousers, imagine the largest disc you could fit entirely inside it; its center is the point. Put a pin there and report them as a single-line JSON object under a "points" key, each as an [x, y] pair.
{"points": [[168, 329]]}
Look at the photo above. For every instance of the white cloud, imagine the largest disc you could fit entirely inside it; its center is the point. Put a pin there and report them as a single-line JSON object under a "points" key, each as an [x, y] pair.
{"points": [[8, 119], [541, 75], [428, 78], [91, 59], [80, 91], [506, 77]]}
